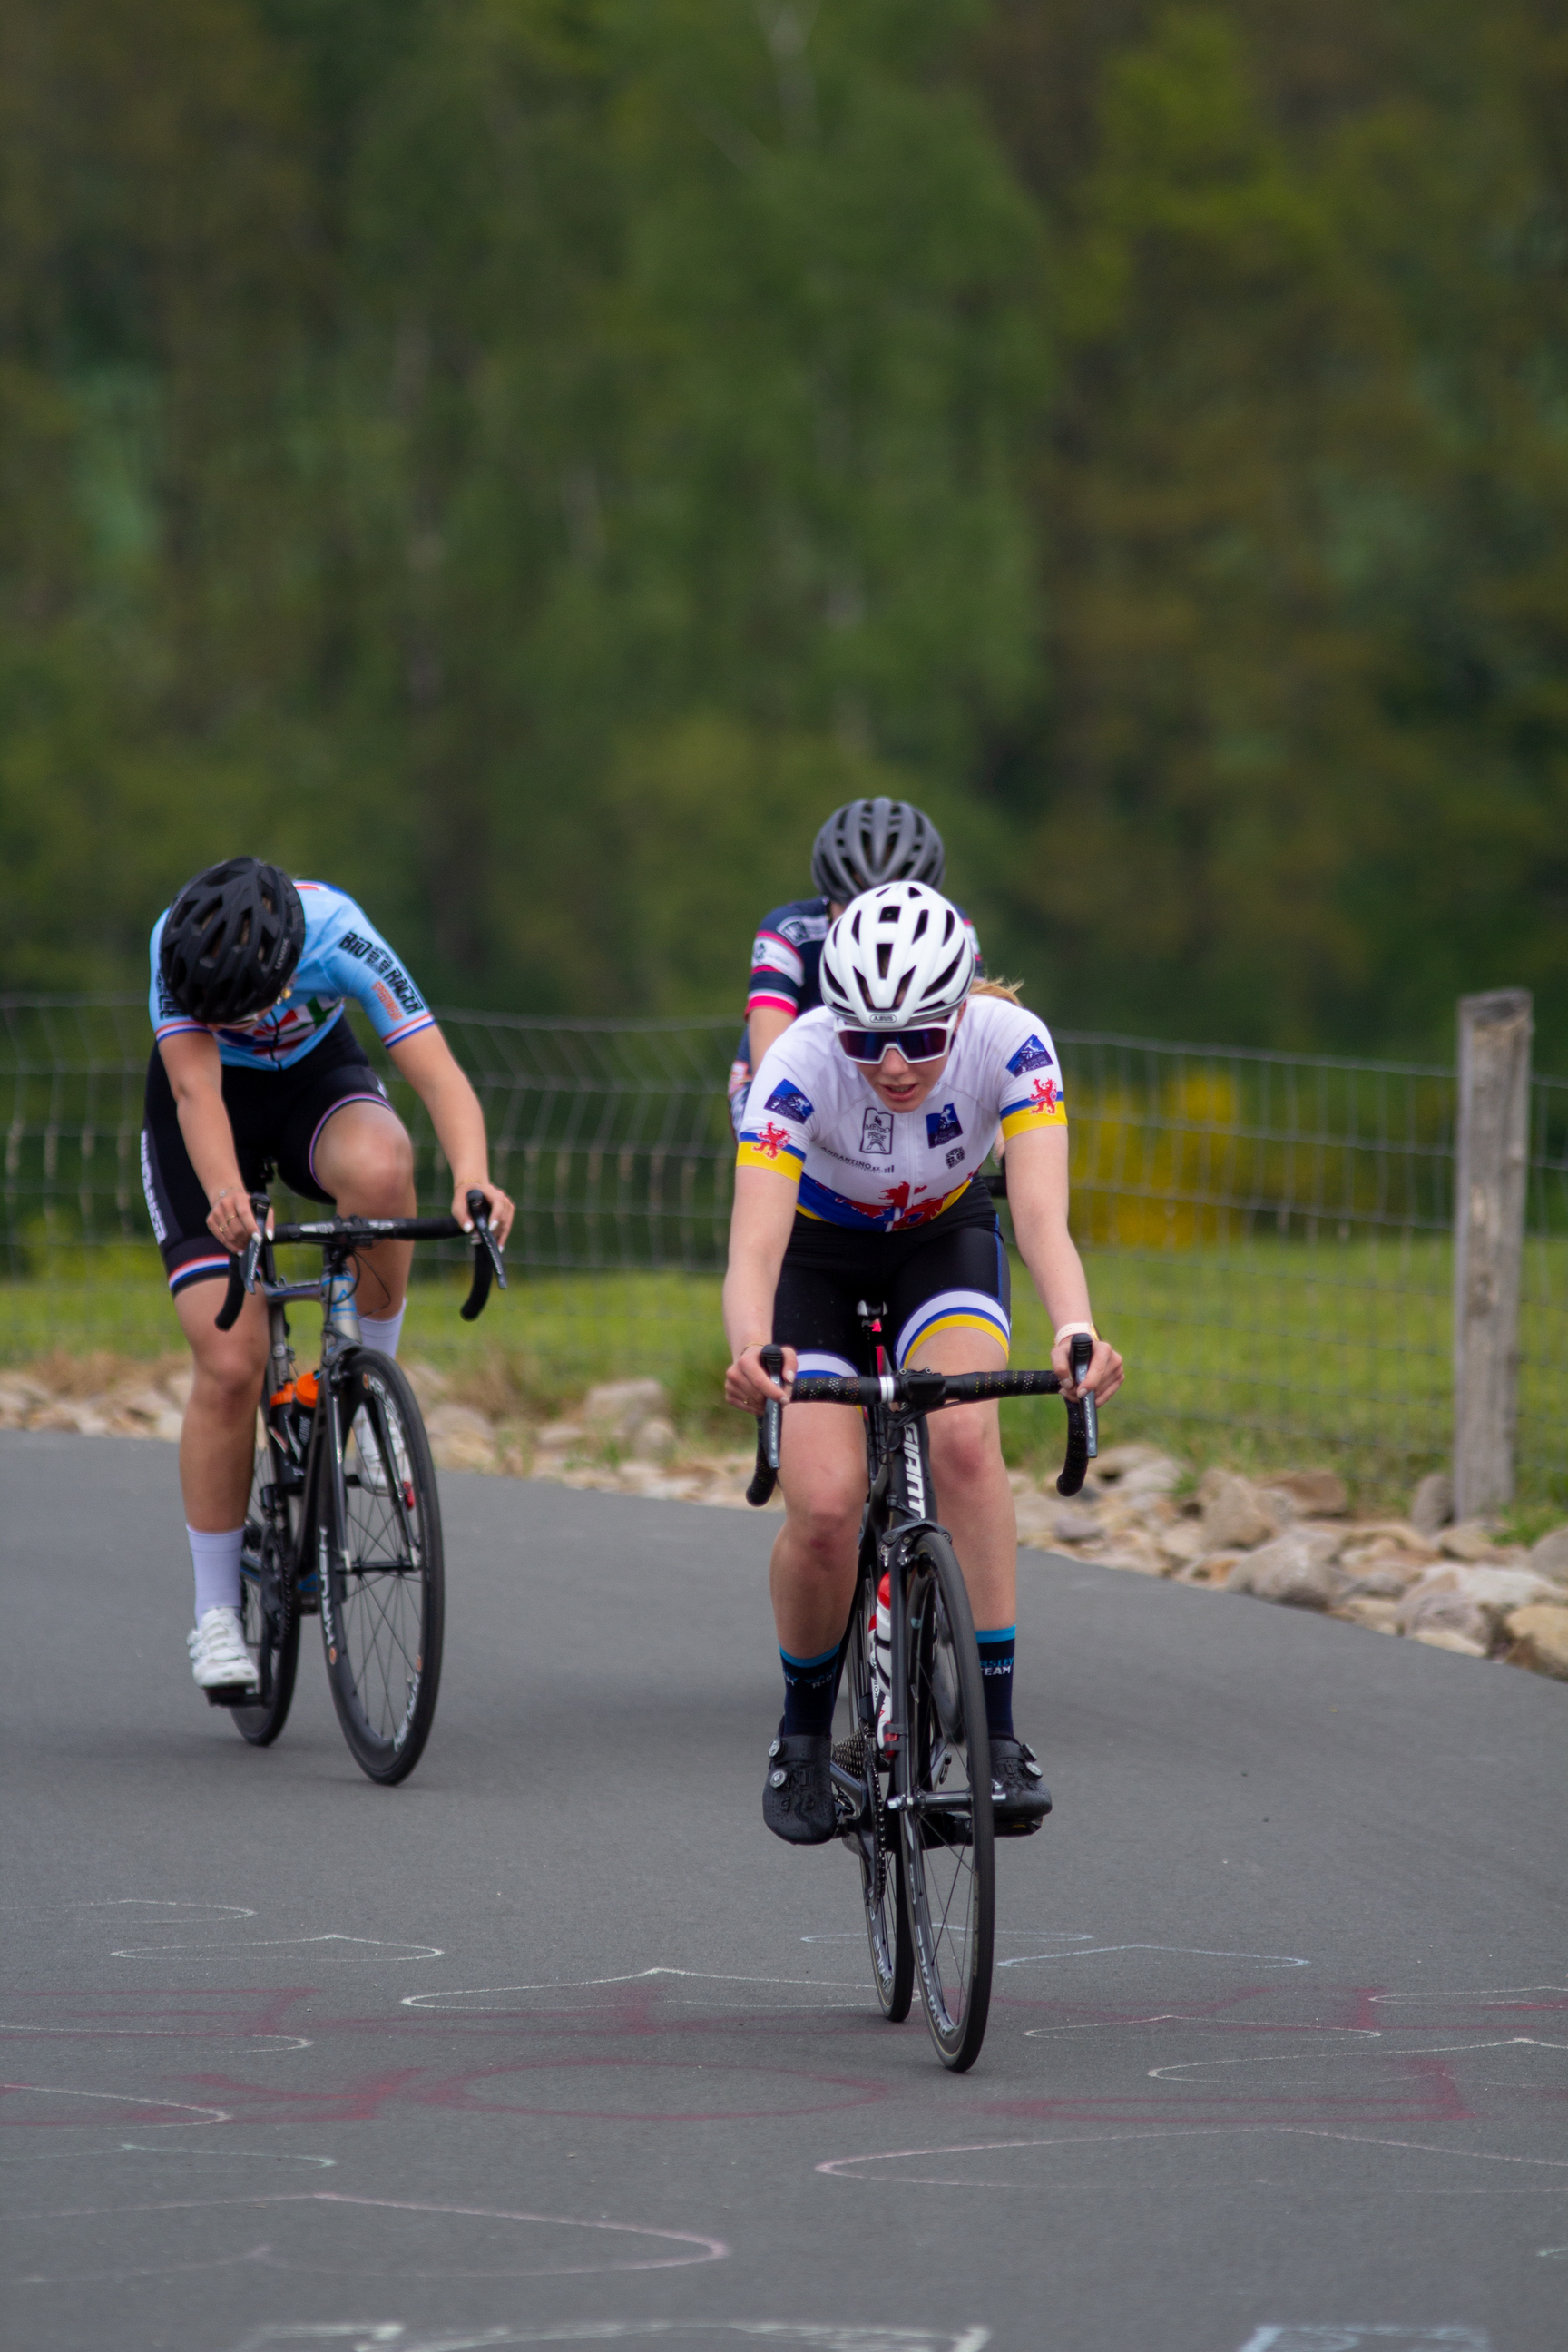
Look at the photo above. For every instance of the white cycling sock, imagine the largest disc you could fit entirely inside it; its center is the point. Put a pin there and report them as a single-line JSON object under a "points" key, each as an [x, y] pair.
{"points": [[215, 1560], [383, 1331]]}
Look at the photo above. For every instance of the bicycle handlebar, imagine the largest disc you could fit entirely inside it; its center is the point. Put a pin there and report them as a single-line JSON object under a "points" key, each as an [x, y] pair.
{"points": [[488, 1266], [927, 1392]]}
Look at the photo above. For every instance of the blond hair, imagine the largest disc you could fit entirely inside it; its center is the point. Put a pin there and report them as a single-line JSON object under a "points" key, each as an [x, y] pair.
{"points": [[1010, 991]]}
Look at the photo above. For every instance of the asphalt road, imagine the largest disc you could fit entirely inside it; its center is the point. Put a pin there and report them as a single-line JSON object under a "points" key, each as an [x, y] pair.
{"points": [[555, 2045]]}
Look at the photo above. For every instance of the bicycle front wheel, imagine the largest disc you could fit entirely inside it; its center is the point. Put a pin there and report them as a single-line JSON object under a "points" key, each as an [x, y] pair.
{"points": [[878, 1855], [383, 1594], [944, 1785], [269, 1607]]}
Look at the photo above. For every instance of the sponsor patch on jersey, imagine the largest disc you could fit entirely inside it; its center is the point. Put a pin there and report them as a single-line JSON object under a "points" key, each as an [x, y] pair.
{"points": [[1034, 1054], [955, 1155], [799, 928], [367, 953], [942, 1126], [789, 1103], [877, 1133]]}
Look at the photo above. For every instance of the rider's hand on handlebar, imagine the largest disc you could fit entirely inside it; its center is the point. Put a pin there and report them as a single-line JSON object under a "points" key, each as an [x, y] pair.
{"points": [[501, 1210], [1104, 1375], [231, 1219], [747, 1387]]}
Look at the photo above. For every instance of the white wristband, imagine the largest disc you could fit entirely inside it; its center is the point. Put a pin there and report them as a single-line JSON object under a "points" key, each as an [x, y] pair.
{"points": [[1070, 1330]]}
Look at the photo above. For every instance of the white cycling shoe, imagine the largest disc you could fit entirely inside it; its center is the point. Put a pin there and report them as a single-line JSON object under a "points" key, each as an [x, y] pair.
{"points": [[219, 1659]]}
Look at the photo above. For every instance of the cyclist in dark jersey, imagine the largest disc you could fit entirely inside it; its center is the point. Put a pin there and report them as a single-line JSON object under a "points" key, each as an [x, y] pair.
{"points": [[863, 845]]}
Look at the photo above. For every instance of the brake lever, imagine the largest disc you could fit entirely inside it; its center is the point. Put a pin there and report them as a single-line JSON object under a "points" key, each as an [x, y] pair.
{"points": [[242, 1271], [487, 1267], [479, 1210], [1081, 1352], [771, 1360]]}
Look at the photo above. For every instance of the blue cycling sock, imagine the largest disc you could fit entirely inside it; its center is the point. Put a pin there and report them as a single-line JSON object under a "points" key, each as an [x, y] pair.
{"points": [[996, 1651], [810, 1685]]}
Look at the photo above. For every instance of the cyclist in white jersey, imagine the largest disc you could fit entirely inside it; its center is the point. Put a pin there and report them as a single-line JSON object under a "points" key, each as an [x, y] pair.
{"points": [[255, 1067], [865, 1128]]}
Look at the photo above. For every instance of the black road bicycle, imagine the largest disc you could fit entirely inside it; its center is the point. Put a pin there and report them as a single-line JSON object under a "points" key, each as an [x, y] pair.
{"points": [[914, 1806], [344, 1522]]}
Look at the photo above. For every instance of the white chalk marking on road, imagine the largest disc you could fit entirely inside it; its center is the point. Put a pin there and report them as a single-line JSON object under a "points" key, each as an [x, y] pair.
{"points": [[136, 2148], [842, 2167], [637, 1976], [1480, 1993], [805, 2336], [1183, 1951], [126, 2099], [154, 1902], [1351, 2335], [366, 1947], [255, 2044], [709, 2249], [1297, 2057], [1205, 2024]]}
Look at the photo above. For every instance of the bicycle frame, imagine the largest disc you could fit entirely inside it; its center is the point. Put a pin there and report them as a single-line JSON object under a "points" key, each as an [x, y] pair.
{"points": [[300, 1474]]}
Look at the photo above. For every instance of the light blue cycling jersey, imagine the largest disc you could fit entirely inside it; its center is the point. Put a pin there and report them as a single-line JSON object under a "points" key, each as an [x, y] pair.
{"points": [[344, 956]]}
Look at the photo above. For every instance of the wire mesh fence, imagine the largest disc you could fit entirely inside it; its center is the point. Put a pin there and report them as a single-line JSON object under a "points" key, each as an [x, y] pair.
{"points": [[1269, 1236]]}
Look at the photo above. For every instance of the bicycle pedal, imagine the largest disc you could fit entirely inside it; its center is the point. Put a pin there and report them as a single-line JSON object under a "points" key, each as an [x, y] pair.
{"points": [[234, 1694]]}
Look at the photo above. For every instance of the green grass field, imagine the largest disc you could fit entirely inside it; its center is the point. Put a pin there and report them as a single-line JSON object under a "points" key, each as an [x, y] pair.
{"points": [[1269, 1356]]}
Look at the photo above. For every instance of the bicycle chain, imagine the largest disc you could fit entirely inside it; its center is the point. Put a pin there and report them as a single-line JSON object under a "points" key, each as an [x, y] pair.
{"points": [[853, 1756]]}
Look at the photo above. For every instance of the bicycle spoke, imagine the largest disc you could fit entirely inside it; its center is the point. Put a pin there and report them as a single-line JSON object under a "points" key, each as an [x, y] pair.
{"points": [[386, 1586]]}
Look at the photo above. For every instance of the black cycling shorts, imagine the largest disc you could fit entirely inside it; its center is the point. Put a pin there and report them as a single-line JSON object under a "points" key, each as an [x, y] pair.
{"points": [[276, 1114], [952, 1274]]}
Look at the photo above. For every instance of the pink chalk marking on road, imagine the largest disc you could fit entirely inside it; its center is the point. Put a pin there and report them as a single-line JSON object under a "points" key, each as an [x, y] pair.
{"points": [[363, 2100]]}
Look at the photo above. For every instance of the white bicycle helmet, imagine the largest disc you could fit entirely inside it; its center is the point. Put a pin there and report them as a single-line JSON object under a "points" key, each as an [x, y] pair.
{"points": [[897, 956]]}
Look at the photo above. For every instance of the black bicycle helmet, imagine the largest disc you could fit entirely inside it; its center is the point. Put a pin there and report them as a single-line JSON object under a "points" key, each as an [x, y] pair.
{"points": [[868, 843], [232, 940]]}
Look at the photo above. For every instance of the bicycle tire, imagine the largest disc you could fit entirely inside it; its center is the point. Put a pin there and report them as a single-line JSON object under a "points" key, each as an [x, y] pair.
{"points": [[268, 1608], [879, 1855], [945, 1824], [383, 1591]]}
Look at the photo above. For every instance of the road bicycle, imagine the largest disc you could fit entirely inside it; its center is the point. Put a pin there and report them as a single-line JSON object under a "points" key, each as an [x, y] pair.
{"points": [[913, 1793], [344, 1522]]}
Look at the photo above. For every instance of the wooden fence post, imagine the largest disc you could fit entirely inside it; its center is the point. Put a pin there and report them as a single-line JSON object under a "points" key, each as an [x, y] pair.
{"points": [[1492, 1149]]}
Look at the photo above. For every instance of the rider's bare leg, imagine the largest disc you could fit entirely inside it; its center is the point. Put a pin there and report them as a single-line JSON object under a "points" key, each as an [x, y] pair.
{"points": [[973, 1499], [217, 1440], [822, 1471], [364, 1160]]}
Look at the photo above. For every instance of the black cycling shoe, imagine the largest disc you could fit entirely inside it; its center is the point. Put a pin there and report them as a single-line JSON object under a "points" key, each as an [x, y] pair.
{"points": [[1019, 1797], [798, 1799]]}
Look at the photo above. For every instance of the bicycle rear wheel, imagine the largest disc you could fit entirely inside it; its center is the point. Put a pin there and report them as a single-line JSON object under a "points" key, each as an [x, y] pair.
{"points": [[384, 1595], [865, 1835], [268, 1608], [944, 1781]]}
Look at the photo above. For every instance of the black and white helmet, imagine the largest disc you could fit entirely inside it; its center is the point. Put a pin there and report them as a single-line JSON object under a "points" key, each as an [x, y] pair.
{"points": [[232, 940], [868, 843], [897, 956]]}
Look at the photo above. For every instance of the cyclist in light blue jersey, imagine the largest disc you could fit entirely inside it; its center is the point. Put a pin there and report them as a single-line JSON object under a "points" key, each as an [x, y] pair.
{"points": [[255, 1068]]}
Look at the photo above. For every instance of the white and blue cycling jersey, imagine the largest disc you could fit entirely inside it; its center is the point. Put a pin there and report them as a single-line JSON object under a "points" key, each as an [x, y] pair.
{"points": [[343, 955]]}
